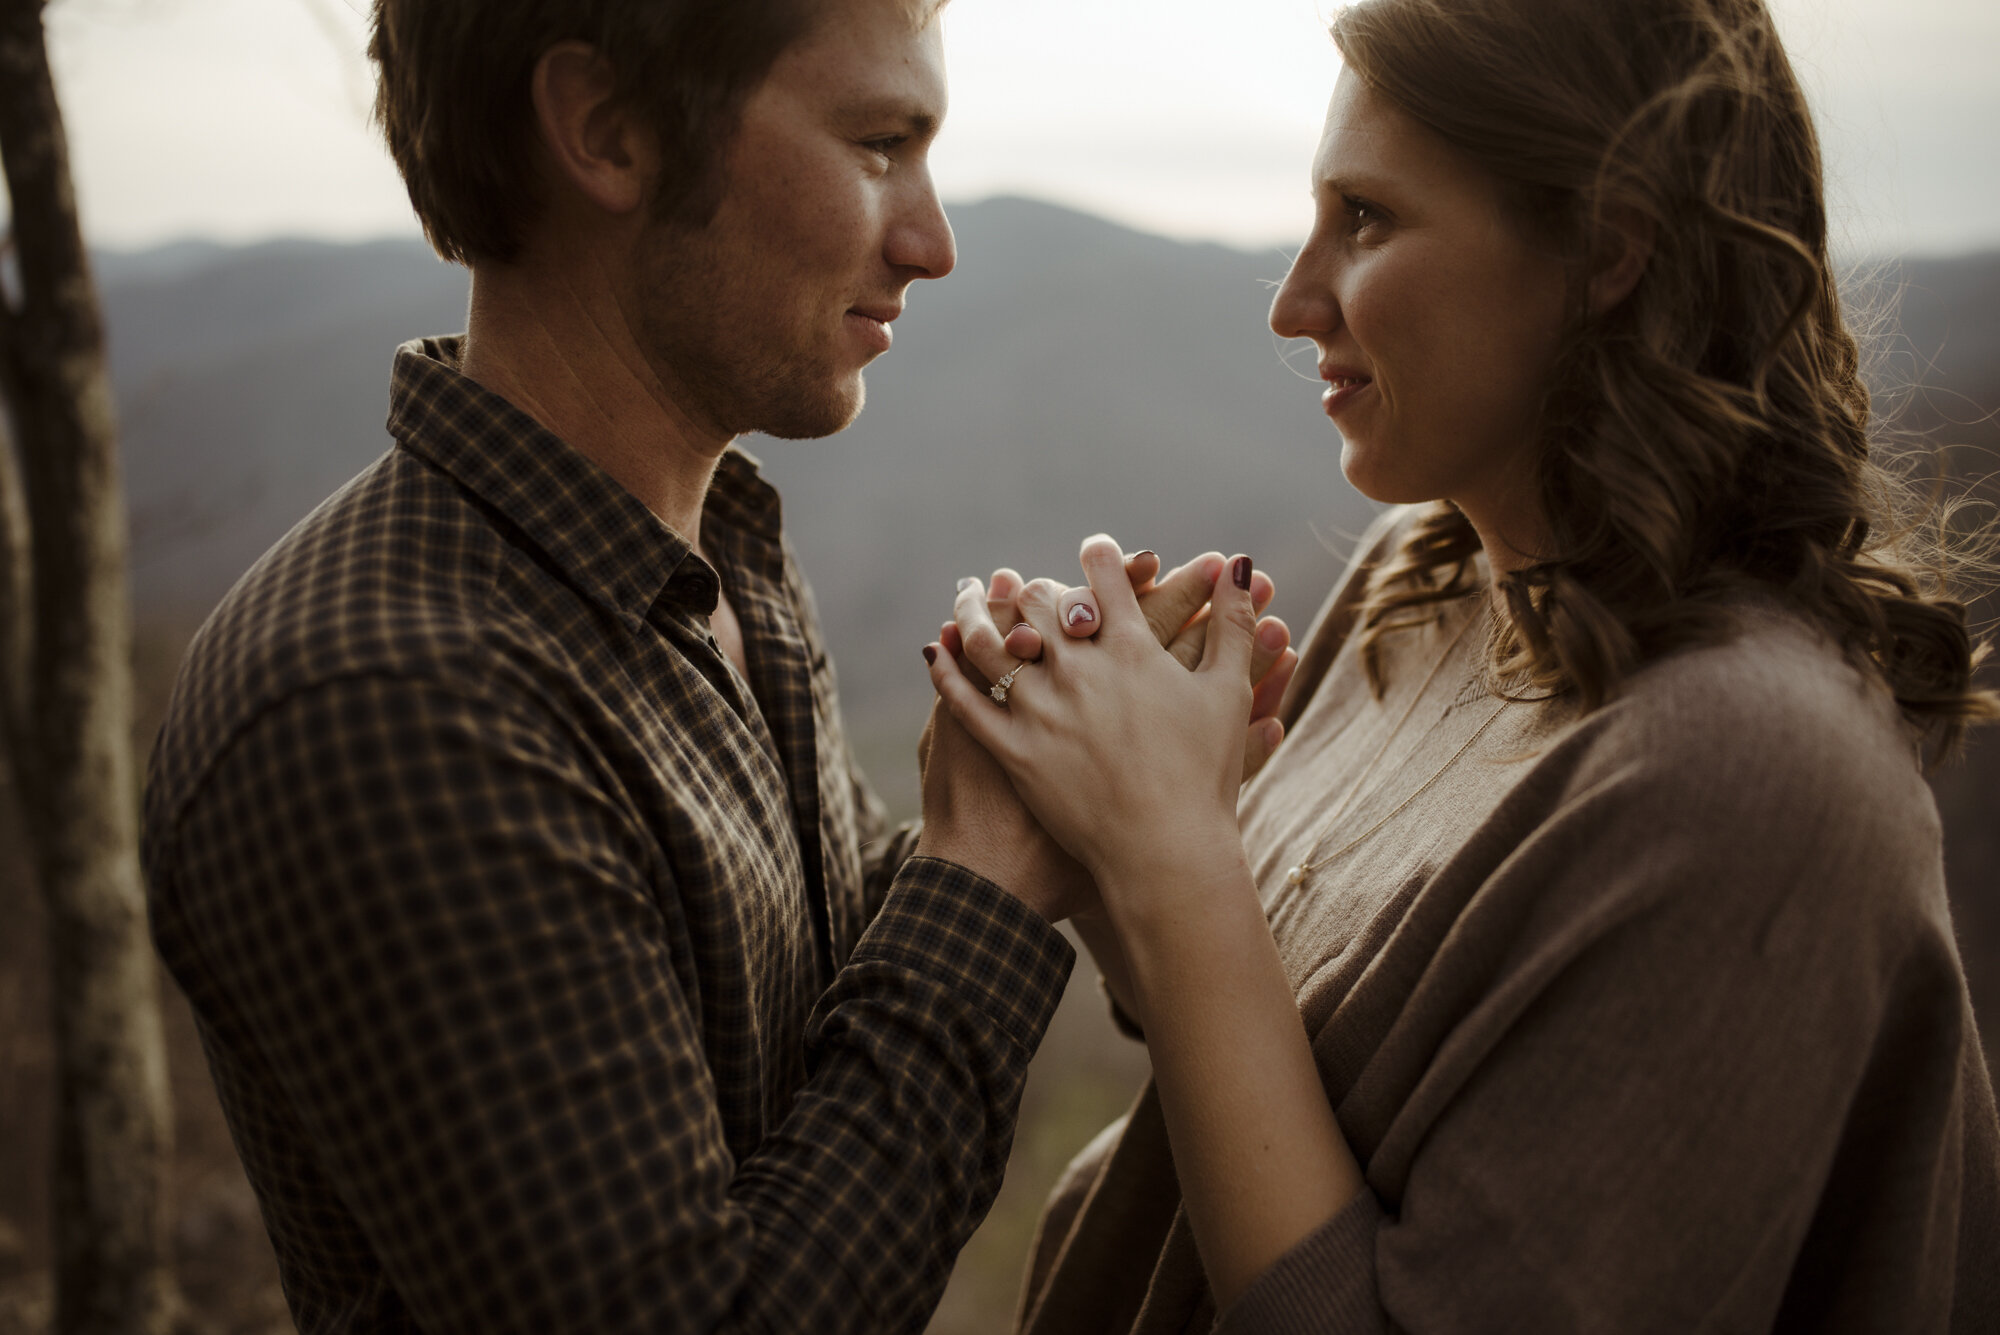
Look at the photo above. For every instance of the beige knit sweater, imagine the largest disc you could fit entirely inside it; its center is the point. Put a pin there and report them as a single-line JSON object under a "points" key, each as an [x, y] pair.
{"points": [[1645, 1021]]}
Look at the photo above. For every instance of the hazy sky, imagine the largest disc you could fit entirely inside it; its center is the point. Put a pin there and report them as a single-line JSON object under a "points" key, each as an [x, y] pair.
{"points": [[242, 119]]}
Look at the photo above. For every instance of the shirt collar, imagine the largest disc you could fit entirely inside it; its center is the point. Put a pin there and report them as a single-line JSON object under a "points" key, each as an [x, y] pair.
{"points": [[595, 531]]}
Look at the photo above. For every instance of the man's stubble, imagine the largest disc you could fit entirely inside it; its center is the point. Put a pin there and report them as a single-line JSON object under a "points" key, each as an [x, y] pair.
{"points": [[731, 347]]}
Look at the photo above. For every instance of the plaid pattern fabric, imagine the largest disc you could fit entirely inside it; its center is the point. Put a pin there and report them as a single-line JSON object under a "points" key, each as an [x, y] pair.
{"points": [[553, 975]]}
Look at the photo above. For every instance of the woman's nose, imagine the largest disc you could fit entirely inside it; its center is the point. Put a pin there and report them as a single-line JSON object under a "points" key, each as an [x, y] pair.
{"points": [[1305, 304]]}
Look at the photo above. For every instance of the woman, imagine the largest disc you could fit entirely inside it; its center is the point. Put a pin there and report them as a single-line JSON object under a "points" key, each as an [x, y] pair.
{"points": [[1581, 959]]}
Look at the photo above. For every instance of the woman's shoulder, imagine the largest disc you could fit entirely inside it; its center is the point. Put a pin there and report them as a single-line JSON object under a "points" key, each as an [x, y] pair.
{"points": [[1774, 697], [1772, 754]]}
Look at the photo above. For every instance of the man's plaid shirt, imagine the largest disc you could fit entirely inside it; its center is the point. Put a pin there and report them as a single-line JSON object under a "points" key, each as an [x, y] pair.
{"points": [[552, 975]]}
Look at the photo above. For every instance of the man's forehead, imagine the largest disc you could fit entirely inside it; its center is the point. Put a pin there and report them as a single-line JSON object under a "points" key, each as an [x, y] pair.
{"points": [[913, 16], [882, 56]]}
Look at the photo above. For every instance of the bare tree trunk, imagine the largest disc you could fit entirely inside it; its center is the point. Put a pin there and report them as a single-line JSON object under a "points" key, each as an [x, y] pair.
{"points": [[71, 743], [15, 612]]}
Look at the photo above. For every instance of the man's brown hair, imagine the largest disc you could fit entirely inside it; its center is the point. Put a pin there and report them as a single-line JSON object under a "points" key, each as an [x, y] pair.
{"points": [[452, 98]]}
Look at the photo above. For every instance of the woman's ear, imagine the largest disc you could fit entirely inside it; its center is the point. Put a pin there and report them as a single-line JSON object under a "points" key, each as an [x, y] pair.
{"points": [[1619, 253], [596, 146]]}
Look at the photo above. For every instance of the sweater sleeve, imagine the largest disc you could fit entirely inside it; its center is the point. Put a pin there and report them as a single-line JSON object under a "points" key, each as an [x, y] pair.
{"points": [[1694, 1057]]}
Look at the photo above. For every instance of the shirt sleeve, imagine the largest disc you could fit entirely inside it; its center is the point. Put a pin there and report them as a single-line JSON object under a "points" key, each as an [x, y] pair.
{"points": [[884, 847], [427, 914], [1706, 1072]]}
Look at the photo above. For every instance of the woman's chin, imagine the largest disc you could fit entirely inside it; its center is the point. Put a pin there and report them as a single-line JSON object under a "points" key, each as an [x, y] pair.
{"points": [[1367, 474]]}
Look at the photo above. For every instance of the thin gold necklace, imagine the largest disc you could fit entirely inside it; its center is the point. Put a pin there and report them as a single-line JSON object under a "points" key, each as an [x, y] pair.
{"points": [[1306, 867]]}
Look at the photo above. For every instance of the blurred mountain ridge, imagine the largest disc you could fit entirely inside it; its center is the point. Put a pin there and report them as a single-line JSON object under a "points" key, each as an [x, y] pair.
{"points": [[1071, 376]]}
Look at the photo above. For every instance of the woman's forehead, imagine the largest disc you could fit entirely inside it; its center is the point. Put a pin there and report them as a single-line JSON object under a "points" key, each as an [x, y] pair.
{"points": [[1370, 144]]}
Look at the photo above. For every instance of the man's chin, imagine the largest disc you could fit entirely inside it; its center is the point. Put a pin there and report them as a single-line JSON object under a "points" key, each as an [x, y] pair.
{"points": [[824, 414]]}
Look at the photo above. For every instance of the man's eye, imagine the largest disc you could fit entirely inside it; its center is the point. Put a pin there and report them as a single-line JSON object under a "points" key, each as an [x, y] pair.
{"points": [[887, 144]]}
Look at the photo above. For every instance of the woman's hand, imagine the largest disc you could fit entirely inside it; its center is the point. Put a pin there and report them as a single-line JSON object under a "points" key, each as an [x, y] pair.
{"points": [[1128, 759], [996, 639], [971, 813]]}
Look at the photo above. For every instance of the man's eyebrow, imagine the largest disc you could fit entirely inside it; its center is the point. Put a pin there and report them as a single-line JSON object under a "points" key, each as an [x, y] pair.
{"points": [[876, 111]]}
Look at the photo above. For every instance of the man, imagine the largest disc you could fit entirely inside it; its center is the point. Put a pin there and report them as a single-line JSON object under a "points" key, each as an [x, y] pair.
{"points": [[553, 963]]}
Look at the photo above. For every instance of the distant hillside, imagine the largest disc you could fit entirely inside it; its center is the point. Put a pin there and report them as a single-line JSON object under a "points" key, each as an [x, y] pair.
{"points": [[1071, 376]]}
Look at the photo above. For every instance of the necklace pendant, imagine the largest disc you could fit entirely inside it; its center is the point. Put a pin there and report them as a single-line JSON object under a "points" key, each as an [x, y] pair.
{"points": [[1296, 876]]}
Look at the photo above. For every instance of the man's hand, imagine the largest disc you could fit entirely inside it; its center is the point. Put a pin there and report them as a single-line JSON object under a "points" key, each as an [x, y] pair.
{"points": [[973, 818]]}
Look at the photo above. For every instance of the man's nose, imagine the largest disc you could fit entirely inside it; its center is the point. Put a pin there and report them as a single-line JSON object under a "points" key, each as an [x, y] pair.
{"points": [[920, 239]]}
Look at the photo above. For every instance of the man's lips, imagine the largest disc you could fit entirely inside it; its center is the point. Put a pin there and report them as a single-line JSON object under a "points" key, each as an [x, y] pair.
{"points": [[873, 324]]}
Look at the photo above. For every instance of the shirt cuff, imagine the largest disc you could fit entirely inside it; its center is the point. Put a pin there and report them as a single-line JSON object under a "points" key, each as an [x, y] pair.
{"points": [[942, 920], [1324, 1284]]}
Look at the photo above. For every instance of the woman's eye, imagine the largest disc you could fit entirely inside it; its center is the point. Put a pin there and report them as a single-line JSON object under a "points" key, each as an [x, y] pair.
{"points": [[1360, 213]]}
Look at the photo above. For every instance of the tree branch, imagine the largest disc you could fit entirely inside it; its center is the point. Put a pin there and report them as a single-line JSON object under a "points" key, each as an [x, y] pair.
{"points": [[65, 437], [16, 574], [16, 582], [112, 1263]]}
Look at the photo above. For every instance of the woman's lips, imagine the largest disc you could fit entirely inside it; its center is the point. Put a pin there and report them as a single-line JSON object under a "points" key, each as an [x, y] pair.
{"points": [[1341, 391]]}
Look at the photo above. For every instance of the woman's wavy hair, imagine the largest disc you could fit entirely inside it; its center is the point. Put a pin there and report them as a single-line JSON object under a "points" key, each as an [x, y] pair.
{"points": [[1711, 431]]}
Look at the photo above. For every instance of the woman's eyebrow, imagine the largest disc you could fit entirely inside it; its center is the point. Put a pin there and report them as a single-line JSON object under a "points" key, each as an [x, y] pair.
{"points": [[1350, 183]]}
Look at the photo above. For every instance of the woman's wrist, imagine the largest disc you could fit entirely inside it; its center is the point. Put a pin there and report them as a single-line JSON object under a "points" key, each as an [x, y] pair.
{"points": [[1101, 939], [1170, 910], [1261, 1159]]}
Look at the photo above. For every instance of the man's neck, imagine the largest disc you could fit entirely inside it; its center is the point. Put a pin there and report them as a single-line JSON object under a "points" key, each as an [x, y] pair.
{"points": [[556, 344]]}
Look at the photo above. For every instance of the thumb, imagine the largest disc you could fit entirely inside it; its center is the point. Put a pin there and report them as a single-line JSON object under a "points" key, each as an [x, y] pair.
{"points": [[1232, 621], [1173, 601]]}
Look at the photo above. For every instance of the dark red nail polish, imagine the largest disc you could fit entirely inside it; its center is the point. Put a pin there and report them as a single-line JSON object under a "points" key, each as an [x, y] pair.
{"points": [[930, 654], [1240, 572]]}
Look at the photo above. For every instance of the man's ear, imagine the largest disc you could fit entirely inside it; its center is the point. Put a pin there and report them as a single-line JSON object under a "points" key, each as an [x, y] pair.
{"points": [[595, 146], [1619, 254]]}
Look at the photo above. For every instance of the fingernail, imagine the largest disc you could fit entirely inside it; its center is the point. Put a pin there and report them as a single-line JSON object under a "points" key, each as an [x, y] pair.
{"points": [[1240, 572], [966, 583], [1081, 615], [930, 654], [1146, 552]]}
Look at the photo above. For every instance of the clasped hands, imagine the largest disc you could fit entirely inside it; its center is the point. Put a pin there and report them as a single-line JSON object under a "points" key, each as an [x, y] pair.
{"points": [[1110, 755]]}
